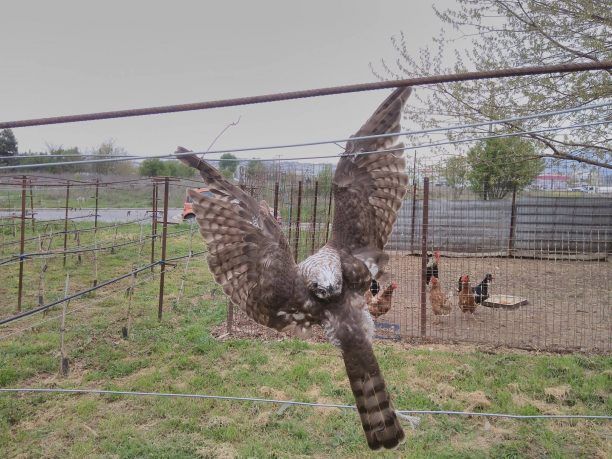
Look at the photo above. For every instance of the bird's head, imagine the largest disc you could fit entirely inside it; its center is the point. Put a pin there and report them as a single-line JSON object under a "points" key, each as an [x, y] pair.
{"points": [[434, 281], [324, 291], [325, 284], [489, 278], [437, 255], [465, 279]]}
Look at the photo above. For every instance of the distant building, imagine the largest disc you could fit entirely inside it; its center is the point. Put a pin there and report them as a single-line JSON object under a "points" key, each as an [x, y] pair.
{"points": [[552, 182]]}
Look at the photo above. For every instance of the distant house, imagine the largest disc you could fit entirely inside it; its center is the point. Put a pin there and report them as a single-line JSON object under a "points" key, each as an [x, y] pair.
{"points": [[552, 182]]}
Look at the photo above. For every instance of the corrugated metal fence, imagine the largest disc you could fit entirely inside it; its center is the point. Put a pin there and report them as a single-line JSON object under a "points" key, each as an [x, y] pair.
{"points": [[561, 225]]}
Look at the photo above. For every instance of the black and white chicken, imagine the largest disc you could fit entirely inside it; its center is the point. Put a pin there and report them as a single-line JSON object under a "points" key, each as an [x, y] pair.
{"points": [[480, 291]]}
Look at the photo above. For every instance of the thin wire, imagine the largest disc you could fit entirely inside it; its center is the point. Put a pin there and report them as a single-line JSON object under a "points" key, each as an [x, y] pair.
{"points": [[377, 136], [242, 150], [295, 403]]}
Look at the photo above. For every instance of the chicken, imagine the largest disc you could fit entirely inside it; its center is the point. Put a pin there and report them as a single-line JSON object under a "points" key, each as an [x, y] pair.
{"points": [[481, 291], [432, 266], [438, 300], [466, 296], [380, 303]]}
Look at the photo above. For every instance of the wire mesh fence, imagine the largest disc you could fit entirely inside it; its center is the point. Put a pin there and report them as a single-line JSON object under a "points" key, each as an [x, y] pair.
{"points": [[546, 249]]}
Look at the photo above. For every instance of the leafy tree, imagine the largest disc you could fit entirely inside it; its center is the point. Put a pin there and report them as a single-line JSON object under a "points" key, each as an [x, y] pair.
{"points": [[152, 167], [498, 166], [516, 33], [107, 149], [155, 167], [174, 168], [8, 143], [455, 172], [228, 164], [255, 170]]}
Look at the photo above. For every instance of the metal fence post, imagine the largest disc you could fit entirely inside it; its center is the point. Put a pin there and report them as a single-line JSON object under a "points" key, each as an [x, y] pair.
{"points": [[412, 223], [163, 254], [314, 216], [66, 220], [414, 190], [32, 205], [290, 213], [153, 222], [230, 317], [297, 220], [276, 200], [21, 241], [327, 220], [424, 255], [512, 224], [96, 211]]}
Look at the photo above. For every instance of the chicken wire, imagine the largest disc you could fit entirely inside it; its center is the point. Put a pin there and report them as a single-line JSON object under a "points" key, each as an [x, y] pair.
{"points": [[547, 246]]}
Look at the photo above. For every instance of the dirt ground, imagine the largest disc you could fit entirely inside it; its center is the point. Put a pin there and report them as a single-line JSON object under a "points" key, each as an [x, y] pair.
{"points": [[569, 305], [569, 302]]}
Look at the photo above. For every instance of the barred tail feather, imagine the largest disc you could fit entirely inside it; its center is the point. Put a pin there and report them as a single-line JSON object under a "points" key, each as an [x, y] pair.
{"points": [[380, 424]]}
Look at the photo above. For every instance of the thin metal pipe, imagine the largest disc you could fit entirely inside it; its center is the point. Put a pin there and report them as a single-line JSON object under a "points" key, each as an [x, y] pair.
{"points": [[418, 81]]}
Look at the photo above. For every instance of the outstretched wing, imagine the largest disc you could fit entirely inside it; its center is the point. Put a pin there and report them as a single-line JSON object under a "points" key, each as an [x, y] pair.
{"points": [[248, 254], [369, 188], [348, 327]]}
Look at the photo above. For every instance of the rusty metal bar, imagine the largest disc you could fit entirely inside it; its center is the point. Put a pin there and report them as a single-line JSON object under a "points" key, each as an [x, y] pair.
{"points": [[21, 242], [314, 216], [424, 255], [66, 220], [163, 249], [418, 81], [276, 200], [297, 220], [512, 223]]}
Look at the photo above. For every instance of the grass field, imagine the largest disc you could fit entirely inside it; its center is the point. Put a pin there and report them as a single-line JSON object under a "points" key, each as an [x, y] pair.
{"points": [[179, 354]]}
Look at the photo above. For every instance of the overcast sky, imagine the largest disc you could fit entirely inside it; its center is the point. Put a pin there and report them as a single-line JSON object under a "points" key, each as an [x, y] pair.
{"points": [[66, 57]]}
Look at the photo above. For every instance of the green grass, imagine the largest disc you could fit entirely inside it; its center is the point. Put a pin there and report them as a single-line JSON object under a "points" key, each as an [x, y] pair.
{"points": [[180, 354]]}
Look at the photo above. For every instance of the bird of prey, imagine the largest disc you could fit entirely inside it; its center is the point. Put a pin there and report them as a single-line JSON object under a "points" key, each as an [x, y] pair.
{"points": [[251, 259]]}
